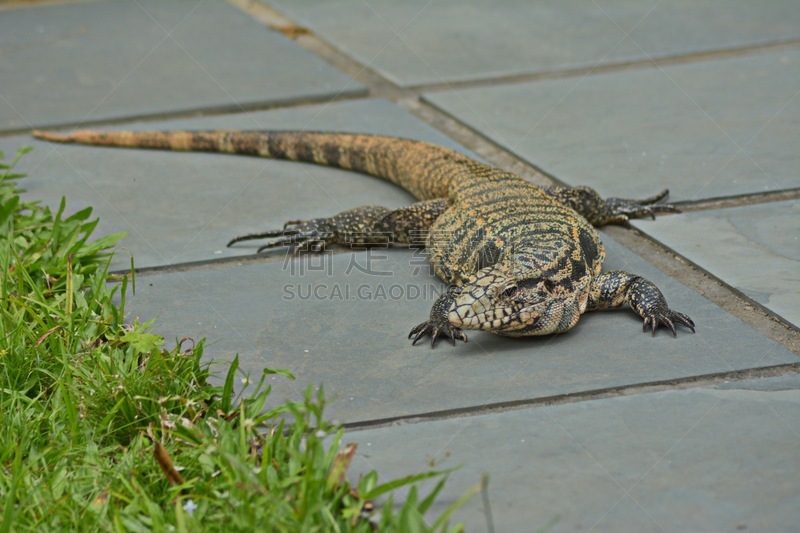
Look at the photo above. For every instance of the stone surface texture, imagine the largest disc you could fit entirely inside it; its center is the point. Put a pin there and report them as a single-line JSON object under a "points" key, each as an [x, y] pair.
{"points": [[604, 428]]}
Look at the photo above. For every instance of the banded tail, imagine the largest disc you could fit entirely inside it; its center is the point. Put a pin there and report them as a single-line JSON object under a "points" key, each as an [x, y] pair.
{"points": [[423, 169]]}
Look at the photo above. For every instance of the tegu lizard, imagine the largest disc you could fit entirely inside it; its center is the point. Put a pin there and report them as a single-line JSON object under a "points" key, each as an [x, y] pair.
{"points": [[519, 259]]}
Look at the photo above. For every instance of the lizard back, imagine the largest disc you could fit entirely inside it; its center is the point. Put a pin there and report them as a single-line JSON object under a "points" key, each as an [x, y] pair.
{"points": [[497, 216]]}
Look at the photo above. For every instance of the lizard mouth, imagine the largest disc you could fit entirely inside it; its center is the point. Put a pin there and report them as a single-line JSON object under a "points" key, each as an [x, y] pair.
{"points": [[496, 320], [551, 315], [498, 304]]}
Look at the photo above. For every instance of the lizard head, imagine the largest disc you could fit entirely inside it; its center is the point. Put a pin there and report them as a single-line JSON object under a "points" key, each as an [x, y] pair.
{"points": [[496, 300]]}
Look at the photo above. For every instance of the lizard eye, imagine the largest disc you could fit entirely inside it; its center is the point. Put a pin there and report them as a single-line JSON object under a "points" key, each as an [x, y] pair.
{"points": [[509, 292]]}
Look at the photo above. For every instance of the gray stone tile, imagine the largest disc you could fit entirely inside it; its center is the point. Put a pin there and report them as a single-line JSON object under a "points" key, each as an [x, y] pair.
{"points": [[179, 207], [706, 459], [419, 41], [755, 249], [90, 61], [708, 129], [351, 338]]}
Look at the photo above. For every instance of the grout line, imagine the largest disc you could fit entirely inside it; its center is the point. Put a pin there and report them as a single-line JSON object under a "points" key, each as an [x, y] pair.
{"points": [[411, 99], [691, 382], [236, 108], [217, 262], [695, 277], [636, 64], [378, 85], [478, 142], [722, 202], [709, 286], [486, 147], [659, 255]]}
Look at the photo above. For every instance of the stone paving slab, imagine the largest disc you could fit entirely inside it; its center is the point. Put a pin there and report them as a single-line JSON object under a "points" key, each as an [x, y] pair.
{"points": [[710, 129], [708, 459], [90, 61], [418, 41], [755, 249], [721, 458], [182, 207], [330, 324]]}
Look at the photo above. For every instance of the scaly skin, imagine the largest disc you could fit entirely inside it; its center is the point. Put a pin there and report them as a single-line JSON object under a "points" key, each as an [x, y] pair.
{"points": [[520, 260]]}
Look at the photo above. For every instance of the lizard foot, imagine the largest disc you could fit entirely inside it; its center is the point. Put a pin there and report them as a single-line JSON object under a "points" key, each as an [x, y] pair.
{"points": [[666, 317], [612, 289], [437, 325], [621, 210], [650, 304], [311, 235], [437, 329]]}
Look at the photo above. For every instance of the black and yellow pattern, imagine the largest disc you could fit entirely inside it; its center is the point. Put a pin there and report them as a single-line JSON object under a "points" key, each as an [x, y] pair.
{"points": [[520, 260]]}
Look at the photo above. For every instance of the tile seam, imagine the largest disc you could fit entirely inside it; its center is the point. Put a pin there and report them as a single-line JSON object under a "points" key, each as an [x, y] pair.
{"points": [[199, 112], [676, 384], [709, 286]]}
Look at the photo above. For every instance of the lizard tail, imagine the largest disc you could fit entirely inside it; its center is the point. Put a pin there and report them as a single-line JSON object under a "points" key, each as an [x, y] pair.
{"points": [[423, 169], [50, 136]]}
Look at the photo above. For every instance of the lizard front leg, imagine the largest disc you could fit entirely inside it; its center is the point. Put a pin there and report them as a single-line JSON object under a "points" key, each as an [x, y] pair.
{"points": [[358, 227], [615, 288], [600, 211]]}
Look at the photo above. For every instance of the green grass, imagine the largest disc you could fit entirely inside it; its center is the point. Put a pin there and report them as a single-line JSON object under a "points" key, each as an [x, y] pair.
{"points": [[104, 429]]}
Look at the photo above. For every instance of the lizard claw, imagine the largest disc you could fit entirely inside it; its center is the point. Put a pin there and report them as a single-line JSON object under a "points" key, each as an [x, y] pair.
{"points": [[650, 304], [312, 235], [621, 210], [436, 330], [667, 317]]}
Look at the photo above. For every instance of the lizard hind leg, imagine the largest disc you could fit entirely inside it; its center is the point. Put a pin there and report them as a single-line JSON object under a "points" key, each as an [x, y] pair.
{"points": [[615, 288], [601, 211], [358, 227], [355, 226]]}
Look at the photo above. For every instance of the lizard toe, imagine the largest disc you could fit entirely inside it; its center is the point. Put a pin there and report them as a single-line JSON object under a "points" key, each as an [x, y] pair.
{"points": [[668, 318], [436, 330], [311, 235], [621, 210]]}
